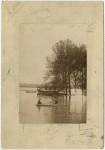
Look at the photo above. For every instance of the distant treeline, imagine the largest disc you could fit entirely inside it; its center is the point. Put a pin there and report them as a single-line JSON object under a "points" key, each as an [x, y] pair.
{"points": [[28, 85], [34, 85], [42, 85], [38, 85]]}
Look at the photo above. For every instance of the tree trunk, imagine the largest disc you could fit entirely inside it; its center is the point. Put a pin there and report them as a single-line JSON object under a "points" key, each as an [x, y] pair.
{"points": [[86, 79], [82, 82], [75, 83], [69, 86], [66, 83], [63, 79]]}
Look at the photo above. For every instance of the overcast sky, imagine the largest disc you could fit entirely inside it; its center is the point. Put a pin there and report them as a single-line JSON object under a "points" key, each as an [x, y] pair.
{"points": [[36, 41]]}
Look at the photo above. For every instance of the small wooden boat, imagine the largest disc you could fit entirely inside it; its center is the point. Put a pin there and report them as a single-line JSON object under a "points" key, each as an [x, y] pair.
{"points": [[47, 92], [46, 104], [30, 91], [49, 105]]}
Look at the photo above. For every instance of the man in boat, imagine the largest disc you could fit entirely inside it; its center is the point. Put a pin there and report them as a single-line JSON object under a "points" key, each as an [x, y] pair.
{"points": [[38, 89], [39, 102], [56, 102]]}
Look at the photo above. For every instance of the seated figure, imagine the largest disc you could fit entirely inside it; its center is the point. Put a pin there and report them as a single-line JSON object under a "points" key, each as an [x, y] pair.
{"points": [[39, 102], [56, 102]]}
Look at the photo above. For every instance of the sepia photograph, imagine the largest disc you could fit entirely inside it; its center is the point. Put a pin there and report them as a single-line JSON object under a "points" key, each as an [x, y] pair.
{"points": [[53, 73]]}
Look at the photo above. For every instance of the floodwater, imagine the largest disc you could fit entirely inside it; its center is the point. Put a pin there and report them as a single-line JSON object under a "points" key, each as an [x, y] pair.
{"points": [[68, 110]]}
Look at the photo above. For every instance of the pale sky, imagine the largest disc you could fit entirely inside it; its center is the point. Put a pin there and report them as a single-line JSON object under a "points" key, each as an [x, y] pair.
{"points": [[36, 41]]}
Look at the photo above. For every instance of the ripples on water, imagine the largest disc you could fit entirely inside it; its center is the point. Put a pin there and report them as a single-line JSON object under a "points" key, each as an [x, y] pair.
{"points": [[68, 110]]}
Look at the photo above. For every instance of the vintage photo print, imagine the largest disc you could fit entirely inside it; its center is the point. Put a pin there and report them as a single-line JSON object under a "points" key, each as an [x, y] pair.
{"points": [[53, 73]]}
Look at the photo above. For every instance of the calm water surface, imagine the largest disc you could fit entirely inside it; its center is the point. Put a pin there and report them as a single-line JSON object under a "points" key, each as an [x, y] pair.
{"points": [[68, 110]]}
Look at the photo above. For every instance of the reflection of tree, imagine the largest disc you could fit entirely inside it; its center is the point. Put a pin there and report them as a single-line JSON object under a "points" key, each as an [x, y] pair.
{"points": [[38, 107], [67, 64]]}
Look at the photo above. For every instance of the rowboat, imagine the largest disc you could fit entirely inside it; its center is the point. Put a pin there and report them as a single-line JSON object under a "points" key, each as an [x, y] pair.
{"points": [[47, 92], [49, 104], [46, 104]]}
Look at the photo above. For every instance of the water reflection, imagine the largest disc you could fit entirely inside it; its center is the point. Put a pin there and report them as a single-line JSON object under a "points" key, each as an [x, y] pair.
{"points": [[38, 108], [68, 110]]}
